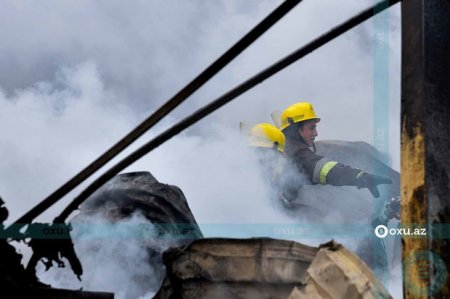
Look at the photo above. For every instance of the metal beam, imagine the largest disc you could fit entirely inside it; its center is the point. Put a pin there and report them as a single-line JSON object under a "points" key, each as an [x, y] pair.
{"points": [[425, 161]]}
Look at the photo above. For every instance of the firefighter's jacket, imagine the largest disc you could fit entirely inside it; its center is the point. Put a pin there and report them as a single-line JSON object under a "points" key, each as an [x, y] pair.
{"points": [[318, 169]]}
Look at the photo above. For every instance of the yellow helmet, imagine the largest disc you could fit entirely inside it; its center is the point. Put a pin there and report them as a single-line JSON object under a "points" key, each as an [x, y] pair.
{"points": [[296, 113], [266, 135]]}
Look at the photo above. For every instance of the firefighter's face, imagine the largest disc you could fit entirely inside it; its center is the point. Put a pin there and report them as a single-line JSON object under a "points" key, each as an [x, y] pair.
{"points": [[309, 131]]}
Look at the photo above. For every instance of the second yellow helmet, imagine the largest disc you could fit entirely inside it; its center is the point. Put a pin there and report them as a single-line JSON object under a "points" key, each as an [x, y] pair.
{"points": [[266, 135]]}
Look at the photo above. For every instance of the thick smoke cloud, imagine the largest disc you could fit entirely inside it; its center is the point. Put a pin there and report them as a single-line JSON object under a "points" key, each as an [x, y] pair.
{"points": [[76, 76], [53, 128]]}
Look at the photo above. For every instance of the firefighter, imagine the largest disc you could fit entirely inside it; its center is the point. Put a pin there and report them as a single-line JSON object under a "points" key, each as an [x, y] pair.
{"points": [[299, 126], [269, 144]]}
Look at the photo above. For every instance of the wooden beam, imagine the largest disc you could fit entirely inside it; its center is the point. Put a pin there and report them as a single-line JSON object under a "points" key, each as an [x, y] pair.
{"points": [[425, 161]]}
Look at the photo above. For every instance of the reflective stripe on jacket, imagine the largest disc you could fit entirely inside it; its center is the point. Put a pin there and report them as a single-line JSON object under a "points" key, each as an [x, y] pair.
{"points": [[319, 169]]}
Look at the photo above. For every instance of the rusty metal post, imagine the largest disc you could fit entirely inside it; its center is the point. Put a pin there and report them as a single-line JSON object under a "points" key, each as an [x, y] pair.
{"points": [[425, 161]]}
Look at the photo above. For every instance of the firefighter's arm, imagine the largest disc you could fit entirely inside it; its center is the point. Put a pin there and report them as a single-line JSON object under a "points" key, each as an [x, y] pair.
{"points": [[331, 172]]}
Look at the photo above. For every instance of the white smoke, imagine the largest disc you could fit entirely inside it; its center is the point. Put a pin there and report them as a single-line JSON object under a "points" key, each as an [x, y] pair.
{"points": [[75, 78], [116, 257], [54, 127]]}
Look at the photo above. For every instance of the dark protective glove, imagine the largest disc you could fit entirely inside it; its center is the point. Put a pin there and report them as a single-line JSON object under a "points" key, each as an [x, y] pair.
{"points": [[371, 181], [393, 208], [288, 196], [390, 210]]}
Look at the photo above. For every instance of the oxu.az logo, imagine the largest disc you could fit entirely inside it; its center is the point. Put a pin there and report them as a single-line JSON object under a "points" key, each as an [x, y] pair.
{"points": [[382, 231]]}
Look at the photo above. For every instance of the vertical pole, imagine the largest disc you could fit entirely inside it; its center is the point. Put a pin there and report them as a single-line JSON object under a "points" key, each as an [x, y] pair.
{"points": [[425, 161]]}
